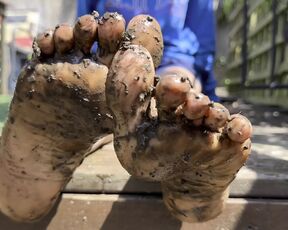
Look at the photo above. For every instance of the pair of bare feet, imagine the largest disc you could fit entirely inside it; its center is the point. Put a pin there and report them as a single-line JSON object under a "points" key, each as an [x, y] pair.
{"points": [[66, 100]]}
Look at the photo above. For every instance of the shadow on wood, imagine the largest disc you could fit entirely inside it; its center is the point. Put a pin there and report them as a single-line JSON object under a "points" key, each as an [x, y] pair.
{"points": [[8, 224], [140, 212]]}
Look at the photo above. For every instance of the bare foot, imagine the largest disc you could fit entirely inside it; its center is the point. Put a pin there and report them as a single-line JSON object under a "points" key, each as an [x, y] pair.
{"points": [[57, 113], [194, 147]]}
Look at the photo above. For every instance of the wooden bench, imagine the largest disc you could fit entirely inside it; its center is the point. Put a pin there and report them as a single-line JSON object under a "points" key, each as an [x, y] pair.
{"points": [[102, 195]]}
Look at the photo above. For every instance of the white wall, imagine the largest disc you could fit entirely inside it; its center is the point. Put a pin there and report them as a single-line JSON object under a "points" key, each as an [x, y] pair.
{"points": [[51, 12]]}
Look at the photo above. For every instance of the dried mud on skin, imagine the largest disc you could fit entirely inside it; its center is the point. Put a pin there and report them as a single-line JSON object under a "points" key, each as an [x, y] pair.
{"points": [[65, 100]]}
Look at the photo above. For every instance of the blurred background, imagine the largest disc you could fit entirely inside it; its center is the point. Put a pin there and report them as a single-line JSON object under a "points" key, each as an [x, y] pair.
{"points": [[21, 20], [252, 49]]}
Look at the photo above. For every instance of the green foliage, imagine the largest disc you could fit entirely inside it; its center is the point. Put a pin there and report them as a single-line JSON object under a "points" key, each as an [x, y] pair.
{"points": [[226, 9], [227, 6], [4, 107]]}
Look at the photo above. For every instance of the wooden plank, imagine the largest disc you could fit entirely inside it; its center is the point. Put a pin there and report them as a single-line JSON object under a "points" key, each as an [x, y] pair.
{"points": [[261, 25], [234, 64], [253, 6], [109, 212], [265, 47], [236, 28], [265, 175], [267, 100], [235, 11]]}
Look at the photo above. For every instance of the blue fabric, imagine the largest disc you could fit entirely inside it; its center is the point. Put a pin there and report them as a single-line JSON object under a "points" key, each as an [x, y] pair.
{"points": [[188, 29]]}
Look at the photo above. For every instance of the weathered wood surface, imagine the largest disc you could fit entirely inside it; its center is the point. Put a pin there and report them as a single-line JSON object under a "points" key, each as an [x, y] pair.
{"points": [[265, 175], [130, 212]]}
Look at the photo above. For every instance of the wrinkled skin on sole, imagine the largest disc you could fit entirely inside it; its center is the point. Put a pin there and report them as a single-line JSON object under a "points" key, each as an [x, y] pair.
{"points": [[65, 101], [195, 162], [193, 147], [47, 135], [54, 119]]}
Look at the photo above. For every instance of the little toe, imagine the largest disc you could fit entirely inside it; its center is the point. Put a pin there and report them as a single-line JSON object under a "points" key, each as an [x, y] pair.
{"points": [[239, 128]]}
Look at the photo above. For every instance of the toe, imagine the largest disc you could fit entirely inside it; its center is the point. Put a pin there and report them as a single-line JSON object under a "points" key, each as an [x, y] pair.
{"points": [[63, 38], [45, 43], [145, 30], [171, 91], [129, 83], [196, 106], [110, 32], [216, 117], [195, 84], [239, 128], [128, 91], [85, 32]]}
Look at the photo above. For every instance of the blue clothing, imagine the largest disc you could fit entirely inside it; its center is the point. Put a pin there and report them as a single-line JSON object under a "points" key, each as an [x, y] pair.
{"points": [[187, 26]]}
